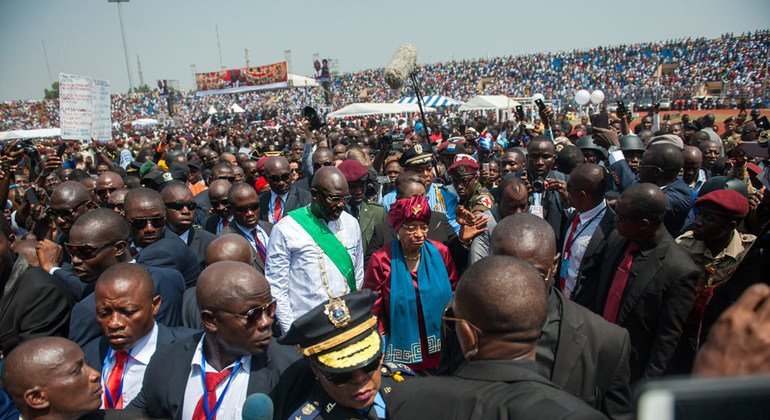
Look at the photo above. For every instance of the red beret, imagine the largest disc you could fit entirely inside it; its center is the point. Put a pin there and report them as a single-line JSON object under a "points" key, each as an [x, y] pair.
{"points": [[407, 210], [464, 166], [725, 202], [754, 168], [352, 169], [261, 163]]}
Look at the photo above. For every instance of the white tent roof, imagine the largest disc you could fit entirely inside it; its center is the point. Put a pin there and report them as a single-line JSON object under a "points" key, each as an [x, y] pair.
{"points": [[144, 122], [367, 108], [432, 101], [212, 110], [237, 109], [30, 134], [489, 102], [295, 80]]}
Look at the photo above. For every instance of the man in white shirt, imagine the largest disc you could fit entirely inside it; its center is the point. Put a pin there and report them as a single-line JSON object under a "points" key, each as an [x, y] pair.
{"points": [[315, 252]]}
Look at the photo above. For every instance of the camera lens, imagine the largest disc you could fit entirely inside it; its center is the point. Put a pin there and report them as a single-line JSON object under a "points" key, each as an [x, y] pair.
{"points": [[538, 185]]}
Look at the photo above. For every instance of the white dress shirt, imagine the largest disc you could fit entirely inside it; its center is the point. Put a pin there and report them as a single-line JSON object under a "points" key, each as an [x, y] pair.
{"points": [[589, 221], [184, 236], [232, 405], [273, 196], [293, 270], [136, 364]]}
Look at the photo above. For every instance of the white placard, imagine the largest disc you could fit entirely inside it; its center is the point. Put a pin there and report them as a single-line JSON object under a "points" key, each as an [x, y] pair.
{"points": [[84, 108]]}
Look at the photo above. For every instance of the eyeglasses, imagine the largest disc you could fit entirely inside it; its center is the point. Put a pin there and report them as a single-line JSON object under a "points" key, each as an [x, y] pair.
{"points": [[318, 165], [278, 178], [104, 191], [141, 223], [179, 205], [449, 319], [217, 203], [294, 171], [86, 252], [412, 229], [336, 199], [64, 214], [651, 167], [115, 206], [228, 178], [244, 209], [340, 379], [253, 315]]}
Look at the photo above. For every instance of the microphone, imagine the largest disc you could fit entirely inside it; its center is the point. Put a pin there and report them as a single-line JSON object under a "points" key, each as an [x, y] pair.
{"points": [[257, 407], [401, 66]]}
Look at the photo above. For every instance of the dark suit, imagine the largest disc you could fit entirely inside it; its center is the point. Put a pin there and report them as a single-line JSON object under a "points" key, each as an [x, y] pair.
{"points": [[170, 252], [198, 240], [305, 183], [678, 205], [96, 350], [77, 289], [553, 208], [256, 260], [169, 284], [591, 264], [33, 304], [295, 198], [166, 377], [204, 206], [656, 301], [211, 223], [487, 389]]}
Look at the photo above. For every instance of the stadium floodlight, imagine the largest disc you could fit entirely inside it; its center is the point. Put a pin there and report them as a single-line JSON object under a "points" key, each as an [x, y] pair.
{"points": [[125, 47]]}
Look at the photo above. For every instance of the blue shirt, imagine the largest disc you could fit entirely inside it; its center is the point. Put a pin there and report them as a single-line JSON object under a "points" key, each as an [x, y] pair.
{"points": [[439, 198]]}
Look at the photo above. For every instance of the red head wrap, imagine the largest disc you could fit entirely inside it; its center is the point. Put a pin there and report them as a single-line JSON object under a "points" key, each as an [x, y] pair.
{"points": [[405, 210]]}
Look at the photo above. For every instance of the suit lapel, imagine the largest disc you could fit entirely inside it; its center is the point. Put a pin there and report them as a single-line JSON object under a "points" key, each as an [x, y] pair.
{"points": [[264, 205], [644, 269], [177, 381], [571, 343], [600, 234], [291, 200], [365, 218]]}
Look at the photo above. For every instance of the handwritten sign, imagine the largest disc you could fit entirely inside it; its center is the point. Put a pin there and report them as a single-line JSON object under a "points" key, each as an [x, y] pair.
{"points": [[84, 108]]}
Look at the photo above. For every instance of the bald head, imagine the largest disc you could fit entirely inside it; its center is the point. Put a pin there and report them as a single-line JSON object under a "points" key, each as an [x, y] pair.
{"points": [[141, 199], [275, 163], [218, 189], [172, 190], [70, 193], [692, 154], [588, 179], [225, 282], [322, 155], [329, 178], [229, 247], [528, 237], [100, 226], [128, 278], [643, 201], [109, 179], [667, 157], [26, 366], [503, 295], [240, 191]]}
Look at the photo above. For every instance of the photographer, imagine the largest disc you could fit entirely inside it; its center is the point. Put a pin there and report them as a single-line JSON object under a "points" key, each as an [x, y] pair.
{"points": [[548, 188]]}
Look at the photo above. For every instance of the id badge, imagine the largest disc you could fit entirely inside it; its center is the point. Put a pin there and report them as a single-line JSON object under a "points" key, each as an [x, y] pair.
{"points": [[537, 211]]}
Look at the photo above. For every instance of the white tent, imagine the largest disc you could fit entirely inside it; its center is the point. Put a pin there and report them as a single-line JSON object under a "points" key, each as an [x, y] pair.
{"points": [[212, 110], [297, 81], [144, 123], [434, 101], [367, 108], [30, 134], [236, 109], [489, 103]]}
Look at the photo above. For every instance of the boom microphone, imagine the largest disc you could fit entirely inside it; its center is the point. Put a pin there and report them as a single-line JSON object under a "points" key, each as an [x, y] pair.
{"points": [[401, 66], [257, 407]]}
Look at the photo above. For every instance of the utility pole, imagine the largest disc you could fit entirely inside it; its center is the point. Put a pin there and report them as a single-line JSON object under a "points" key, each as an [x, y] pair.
{"points": [[139, 70], [287, 58], [125, 47], [219, 47], [246, 56], [194, 70], [47, 65]]}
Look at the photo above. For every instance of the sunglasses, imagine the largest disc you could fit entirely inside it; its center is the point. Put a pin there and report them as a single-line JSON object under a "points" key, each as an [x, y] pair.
{"points": [[141, 223], [278, 178], [86, 252], [319, 165], [229, 178], [253, 315], [294, 171], [217, 203], [179, 205], [64, 213], [244, 209], [104, 191], [449, 321], [115, 206], [345, 377]]}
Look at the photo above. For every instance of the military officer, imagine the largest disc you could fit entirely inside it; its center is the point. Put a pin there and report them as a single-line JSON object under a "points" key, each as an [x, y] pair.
{"points": [[465, 178]]}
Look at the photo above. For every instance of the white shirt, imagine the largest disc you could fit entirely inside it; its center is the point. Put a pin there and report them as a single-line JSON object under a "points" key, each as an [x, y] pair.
{"points": [[136, 364], [232, 405], [184, 236], [273, 196], [292, 267], [250, 237], [584, 230]]}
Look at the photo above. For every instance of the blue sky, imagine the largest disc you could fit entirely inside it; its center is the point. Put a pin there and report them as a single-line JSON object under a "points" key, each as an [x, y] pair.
{"points": [[83, 36]]}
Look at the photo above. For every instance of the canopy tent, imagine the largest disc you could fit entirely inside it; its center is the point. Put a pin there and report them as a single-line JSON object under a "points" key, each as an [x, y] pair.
{"points": [[434, 101], [30, 134], [367, 108], [298, 81], [212, 110], [489, 103], [144, 123], [292, 81], [236, 109]]}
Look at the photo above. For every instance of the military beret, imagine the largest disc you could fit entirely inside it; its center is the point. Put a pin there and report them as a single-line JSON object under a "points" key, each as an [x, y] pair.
{"points": [[327, 333], [725, 202], [753, 168], [464, 166], [353, 170]]}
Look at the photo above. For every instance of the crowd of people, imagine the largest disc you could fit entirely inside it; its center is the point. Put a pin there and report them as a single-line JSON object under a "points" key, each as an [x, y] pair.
{"points": [[628, 72]]}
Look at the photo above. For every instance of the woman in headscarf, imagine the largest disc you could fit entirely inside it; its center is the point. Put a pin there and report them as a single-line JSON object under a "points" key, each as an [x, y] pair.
{"points": [[414, 278]]}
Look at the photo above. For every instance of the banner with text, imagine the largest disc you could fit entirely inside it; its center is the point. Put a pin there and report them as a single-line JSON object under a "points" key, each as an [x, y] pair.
{"points": [[84, 108], [270, 76]]}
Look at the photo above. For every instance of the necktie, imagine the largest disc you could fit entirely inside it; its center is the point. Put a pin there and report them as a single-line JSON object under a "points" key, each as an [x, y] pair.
{"points": [[619, 282], [277, 209], [567, 246], [213, 379], [133, 251], [225, 222], [261, 250], [114, 381]]}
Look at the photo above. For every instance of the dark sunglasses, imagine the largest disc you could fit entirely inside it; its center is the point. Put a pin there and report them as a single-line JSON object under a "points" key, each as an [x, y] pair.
{"points": [[115, 206], [244, 209], [294, 171], [141, 223], [179, 205], [278, 178], [253, 315], [217, 203], [104, 191], [319, 165], [64, 213], [86, 252], [229, 178], [345, 377]]}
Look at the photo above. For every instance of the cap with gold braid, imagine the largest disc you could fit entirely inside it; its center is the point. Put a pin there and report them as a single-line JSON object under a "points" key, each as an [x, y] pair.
{"points": [[339, 335]]}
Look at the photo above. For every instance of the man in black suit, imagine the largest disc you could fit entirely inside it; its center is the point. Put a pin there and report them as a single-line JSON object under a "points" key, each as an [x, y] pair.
{"points": [[126, 306], [282, 197], [220, 215], [244, 205], [546, 203], [153, 245], [577, 350], [221, 170], [647, 281], [499, 309], [321, 157], [236, 351], [32, 302], [69, 201], [180, 209], [583, 242], [661, 164]]}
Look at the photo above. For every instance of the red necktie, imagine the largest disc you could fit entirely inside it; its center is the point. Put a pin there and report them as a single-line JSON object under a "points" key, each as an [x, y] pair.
{"points": [[277, 209], [114, 382], [133, 251], [225, 222], [261, 250], [567, 246], [612, 305], [213, 379]]}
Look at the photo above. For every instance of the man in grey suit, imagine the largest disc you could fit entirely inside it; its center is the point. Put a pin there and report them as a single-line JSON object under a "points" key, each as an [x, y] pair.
{"points": [[180, 212], [244, 205], [283, 197]]}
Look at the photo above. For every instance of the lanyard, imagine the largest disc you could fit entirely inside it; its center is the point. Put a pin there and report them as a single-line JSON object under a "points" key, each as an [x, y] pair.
{"points": [[574, 235], [213, 413], [258, 245], [107, 393]]}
